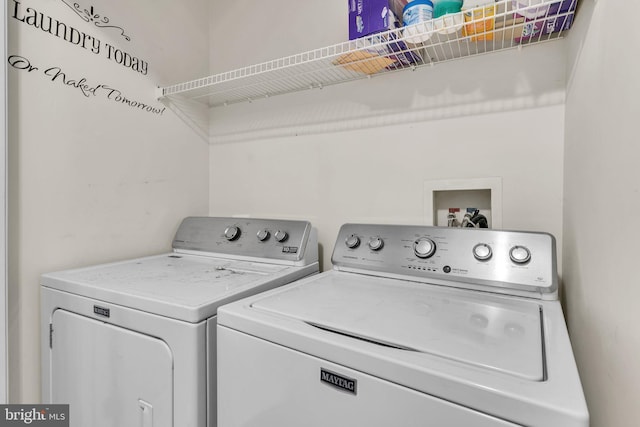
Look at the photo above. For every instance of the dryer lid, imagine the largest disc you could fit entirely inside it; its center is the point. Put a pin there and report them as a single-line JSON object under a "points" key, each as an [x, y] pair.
{"points": [[184, 287], [470, 327]]}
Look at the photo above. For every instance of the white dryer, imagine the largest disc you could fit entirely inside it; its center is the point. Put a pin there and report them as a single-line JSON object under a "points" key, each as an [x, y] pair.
{"points": [[415, 326], [133, 343]]}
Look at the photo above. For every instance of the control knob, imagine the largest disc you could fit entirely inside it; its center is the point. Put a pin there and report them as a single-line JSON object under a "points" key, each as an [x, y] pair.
{"points": [[231, 233], [352, 241], [376, 243], [482, 252], [263, 234], [519, 254], [281, 235], [424, 247]]}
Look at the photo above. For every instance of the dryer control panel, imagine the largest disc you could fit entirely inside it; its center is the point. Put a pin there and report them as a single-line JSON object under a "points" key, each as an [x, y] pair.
{"points": [[513, 262], [249, 237]]}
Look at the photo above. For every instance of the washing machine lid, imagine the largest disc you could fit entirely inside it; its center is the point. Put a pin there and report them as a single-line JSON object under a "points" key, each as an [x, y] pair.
{"points": [[468, 327], [184, 287]]}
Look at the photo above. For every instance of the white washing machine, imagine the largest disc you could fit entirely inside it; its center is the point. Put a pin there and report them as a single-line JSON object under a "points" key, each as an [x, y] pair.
{"points": [[133, 343], [414, 326]]}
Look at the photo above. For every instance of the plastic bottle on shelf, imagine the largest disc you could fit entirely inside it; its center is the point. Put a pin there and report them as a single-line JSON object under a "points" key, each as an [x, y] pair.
{"points": [[479, 19], [417, 16], [447, 16]]}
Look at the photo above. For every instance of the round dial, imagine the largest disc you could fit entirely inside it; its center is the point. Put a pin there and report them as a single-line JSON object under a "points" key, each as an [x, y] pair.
{"points": [[424, 247], [376, 243], [482, 252], [281, 235], [352, 241], [263, 234], [520, 254], [232, 233]]}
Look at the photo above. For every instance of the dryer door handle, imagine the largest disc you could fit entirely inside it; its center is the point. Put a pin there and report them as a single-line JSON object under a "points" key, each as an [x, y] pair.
{"points": [[146, 413]]}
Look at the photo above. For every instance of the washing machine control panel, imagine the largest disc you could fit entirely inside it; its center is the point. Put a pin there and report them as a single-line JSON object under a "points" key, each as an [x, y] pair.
{"points": [[478, 258], [264, 238]]}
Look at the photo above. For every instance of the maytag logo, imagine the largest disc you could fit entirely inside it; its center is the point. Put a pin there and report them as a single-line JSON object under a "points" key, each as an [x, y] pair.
{"points": [[338, 381], [101, 311]]}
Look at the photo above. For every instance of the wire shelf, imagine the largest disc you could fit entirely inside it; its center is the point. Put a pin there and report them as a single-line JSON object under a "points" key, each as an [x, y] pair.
{"points": [[512, 24]]}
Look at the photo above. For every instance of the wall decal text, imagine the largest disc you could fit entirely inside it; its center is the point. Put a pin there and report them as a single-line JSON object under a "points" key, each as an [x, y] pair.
{"points": [[59, 29], [57, 75]]}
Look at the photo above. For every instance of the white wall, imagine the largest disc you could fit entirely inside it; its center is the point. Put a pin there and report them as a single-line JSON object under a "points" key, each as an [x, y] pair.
{"points": [[602, 199], [362, 151], [377, 175], [93, 179]]}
